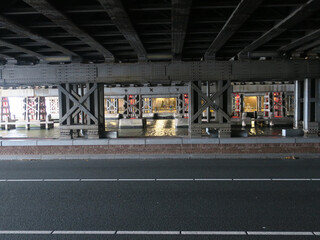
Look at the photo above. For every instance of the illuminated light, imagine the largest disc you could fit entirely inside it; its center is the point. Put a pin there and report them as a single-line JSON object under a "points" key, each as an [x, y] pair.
{"points": [[252, 123]]}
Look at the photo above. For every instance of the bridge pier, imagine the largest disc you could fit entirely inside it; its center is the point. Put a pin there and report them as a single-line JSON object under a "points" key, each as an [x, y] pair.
{"points": [[219, 101], [81, 110]]}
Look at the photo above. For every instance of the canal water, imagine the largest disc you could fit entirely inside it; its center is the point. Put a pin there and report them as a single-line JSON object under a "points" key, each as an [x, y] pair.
{"points": [[154, 128]]}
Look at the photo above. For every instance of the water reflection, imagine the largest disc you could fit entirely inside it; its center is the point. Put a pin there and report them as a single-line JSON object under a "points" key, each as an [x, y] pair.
{"points": [[154, 128]]}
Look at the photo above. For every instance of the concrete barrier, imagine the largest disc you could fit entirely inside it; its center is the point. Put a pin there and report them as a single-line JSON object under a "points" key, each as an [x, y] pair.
{"points": [[131, 123], [181, 122]]}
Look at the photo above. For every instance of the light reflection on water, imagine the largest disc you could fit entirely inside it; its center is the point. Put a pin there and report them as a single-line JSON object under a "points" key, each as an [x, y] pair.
{"points": [[159, 128], [154, 128]]}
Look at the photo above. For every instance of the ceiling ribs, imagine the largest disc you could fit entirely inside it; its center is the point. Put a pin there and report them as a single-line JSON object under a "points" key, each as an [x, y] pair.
{"points": [[180, 18], [242, 12], [45, 8], [301, 13], [309, 46], [298, 42], [119, 16], [21, 30], [20, 49]]}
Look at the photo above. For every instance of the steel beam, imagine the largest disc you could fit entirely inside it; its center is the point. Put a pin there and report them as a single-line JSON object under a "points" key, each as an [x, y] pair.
{"points": [[158, 72], [306, 105], [242, 12], [309, 46], [118, 15], [20, 49], [45, 8], [301, 41], [296, 105], [21, 30], [301, 13], [180, 17]]}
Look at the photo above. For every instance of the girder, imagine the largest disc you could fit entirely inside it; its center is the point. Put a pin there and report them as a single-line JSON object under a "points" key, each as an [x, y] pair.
{"points": [[301, 41], [119, 16], [48, 10], [235, 21], [162, 72], [302, 12], [19, 49], [180, 17], [19, 29]]}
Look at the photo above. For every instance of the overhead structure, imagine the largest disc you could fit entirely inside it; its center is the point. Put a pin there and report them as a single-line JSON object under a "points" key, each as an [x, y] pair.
{"points": [[48, 10], [301, 41], [180, 18], [119, 16], [20, 49], [301, 13], [23, 31], [242, 12]]}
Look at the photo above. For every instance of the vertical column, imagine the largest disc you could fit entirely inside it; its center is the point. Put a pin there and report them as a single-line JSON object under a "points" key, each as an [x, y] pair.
{"points": [[306, 106], [296, 105], [81, 110], [208, 108], [194, 106]]}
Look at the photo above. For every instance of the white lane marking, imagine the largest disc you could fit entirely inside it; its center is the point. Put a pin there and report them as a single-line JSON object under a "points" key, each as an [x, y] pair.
{"points": [[148, 232], [61, 180], [213, 179], [252, 179], [257, 233], [172, 179], [291, 179], [280, 233], [156, 179], [136, 180], [24, 180], [85, 232], [213, 233], [98, 180], [25, 232]]}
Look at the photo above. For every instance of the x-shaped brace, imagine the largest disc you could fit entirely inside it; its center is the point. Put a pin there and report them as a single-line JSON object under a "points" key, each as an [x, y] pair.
{"points": [[209, 101], [78, 103]]}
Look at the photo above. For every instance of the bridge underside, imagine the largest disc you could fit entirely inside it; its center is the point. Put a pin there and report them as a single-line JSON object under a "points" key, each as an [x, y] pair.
{"points": [[223, 62]]}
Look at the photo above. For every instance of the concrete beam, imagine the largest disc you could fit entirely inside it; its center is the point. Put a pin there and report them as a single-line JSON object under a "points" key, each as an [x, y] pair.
{"points": [[45, 8]]}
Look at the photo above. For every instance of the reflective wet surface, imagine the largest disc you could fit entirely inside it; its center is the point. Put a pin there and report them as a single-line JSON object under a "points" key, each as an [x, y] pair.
{"points": [[154, 128]]}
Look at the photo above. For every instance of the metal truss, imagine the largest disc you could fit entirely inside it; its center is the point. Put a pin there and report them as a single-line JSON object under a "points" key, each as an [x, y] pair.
{"points": [[81, 108]]}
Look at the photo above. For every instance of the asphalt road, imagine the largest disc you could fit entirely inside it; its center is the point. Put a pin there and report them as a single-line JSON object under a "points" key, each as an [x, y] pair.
{"points": [[160, 199]]}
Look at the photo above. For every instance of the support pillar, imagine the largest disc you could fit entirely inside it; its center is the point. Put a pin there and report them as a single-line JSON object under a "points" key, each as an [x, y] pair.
{"points": [[132, 106], [296, 105], [199, 102], [306, 106], [208, 108], [81, 110]]}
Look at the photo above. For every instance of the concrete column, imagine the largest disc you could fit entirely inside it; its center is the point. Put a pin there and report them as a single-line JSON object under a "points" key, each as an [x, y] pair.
{"points": [[296, 105], [306, 105]]}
